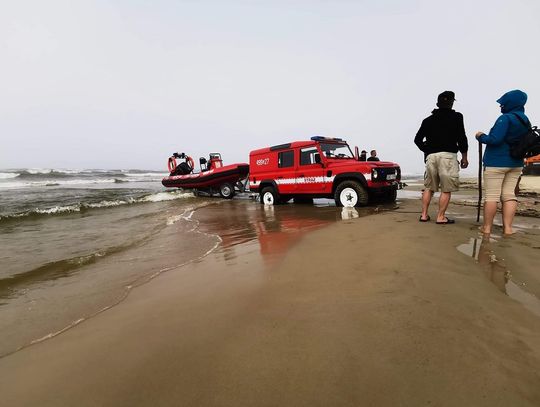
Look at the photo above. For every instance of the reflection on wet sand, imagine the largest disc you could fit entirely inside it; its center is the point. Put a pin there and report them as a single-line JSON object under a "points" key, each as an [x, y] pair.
{"points": [[494, 270], [482, 249], [272, 230], [349, 213]]}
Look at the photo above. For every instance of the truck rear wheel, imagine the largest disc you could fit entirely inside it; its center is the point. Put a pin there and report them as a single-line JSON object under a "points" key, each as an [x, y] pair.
{"points": [[269, 196], [226, 190], [351, 193]]}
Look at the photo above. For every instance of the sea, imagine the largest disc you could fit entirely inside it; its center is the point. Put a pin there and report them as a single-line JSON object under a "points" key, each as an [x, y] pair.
{"points": [[74, 243]]}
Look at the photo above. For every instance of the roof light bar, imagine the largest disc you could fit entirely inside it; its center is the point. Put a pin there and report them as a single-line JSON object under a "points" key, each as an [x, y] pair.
{"points": [[322, 138]]}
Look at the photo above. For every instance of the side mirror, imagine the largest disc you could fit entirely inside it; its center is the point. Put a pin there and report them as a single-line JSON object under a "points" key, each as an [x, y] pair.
{"points": [[356, 153]]}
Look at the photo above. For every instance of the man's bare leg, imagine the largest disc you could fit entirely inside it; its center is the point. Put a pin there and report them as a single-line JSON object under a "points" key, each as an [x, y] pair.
{"points": [[444, 200], [426, 199]]}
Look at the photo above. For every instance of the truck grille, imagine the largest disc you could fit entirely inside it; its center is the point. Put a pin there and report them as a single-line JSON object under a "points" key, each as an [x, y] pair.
{"points": [[384, 172]]}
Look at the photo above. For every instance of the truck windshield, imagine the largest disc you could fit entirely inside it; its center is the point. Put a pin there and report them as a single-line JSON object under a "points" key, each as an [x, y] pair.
{"points": [[332, 150]]}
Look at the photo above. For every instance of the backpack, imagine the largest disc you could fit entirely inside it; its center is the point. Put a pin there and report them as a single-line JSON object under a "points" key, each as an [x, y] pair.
{"points": [[528, 145]]}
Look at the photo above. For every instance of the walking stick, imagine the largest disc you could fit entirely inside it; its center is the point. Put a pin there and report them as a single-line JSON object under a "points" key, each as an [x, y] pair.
{"points": [[479, 181]]}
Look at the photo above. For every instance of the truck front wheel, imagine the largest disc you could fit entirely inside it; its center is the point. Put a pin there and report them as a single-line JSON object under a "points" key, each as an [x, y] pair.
{"points": [[269, 196], [351, 193]]}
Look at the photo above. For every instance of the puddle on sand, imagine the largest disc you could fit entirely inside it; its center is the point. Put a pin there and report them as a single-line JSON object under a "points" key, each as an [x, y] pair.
{"points": [[482, 251]]}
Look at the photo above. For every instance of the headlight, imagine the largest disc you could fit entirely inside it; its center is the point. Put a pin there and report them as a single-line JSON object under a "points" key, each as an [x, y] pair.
{"points": [[374, 174]]}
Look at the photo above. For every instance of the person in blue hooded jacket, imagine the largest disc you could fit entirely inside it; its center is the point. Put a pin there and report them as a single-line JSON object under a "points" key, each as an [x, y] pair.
{"points": [[501, 171]]}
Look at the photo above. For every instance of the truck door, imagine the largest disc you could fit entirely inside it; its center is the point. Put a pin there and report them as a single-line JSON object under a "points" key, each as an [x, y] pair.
{"points": [[310, 173], [286, 172]]}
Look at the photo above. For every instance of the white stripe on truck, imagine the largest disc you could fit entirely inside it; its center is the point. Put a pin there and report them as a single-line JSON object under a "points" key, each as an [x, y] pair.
{"points": [[304, 180]]}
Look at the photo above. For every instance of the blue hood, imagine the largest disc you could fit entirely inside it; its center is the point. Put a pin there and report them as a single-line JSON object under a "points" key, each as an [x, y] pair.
{"points": [[513, 101]]}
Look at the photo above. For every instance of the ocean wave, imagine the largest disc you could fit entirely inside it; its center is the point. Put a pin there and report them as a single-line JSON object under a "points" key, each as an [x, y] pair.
{"points": [[166, 196], [52, 182], [48, 174], [147, 174], [58, 268], [28, 176], [14, 182], [34, 171], [9, 175], [78, 207]]}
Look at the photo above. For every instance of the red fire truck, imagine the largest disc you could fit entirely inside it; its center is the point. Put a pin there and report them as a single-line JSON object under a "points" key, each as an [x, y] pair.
{"points": [[322, 167]]}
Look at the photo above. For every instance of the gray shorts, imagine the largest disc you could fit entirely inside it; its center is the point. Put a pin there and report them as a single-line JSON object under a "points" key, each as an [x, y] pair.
{"points": [[442, 171]]}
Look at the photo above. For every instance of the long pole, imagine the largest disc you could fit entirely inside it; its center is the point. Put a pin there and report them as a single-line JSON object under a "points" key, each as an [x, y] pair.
{"points": [[479, 181]]}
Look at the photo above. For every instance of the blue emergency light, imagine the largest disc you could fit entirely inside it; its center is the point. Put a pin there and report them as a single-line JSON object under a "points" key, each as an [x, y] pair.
{"points": [[322, 138]]}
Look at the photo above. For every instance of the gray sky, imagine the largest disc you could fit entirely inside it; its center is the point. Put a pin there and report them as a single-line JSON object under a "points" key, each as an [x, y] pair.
{"points": [[123, 84]]}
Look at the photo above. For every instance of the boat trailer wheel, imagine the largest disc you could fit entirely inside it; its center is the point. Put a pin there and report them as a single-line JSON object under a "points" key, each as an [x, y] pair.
{"points": [[226, 190]]}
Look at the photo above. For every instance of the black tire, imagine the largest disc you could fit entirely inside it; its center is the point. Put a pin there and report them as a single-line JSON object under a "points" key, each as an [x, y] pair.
{"points": [[226, 190], [303, 200], [269, 196], [351, 192]]}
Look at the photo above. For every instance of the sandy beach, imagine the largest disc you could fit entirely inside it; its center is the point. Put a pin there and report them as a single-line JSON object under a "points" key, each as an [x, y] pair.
{"points": [[375, 310]]}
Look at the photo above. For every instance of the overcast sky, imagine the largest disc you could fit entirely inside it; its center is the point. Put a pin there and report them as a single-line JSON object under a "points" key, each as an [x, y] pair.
{"points": [[123, 84]]}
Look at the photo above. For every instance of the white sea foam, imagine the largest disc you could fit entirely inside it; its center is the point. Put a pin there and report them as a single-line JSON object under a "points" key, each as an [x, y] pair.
{"points": [[108, 204], [8, 175], [58, 209], [166, 196], [157, 197], [56, 182], [173, 219], [13, 184], [38, 171]]}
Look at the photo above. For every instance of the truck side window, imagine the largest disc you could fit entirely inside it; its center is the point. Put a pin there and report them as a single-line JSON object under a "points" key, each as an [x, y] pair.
{"points": [[309, 155], [286, 159]]}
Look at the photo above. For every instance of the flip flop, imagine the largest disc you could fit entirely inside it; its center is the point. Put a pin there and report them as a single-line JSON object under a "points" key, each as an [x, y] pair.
{"points": [[424, 220], [448, 222]]}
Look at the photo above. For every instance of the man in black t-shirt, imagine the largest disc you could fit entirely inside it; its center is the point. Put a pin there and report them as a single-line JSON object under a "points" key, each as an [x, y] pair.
{"points": [[440, 137]]}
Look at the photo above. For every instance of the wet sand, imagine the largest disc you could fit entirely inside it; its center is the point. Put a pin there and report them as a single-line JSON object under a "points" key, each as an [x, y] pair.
{"points": [[378, 310]]}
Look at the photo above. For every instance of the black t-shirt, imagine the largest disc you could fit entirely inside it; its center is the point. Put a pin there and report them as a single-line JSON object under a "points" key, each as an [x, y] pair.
{"points": [[442, 131]]}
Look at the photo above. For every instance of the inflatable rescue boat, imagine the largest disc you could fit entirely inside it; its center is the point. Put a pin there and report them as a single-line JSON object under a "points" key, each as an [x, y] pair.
{"points": [[213, 178]]}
